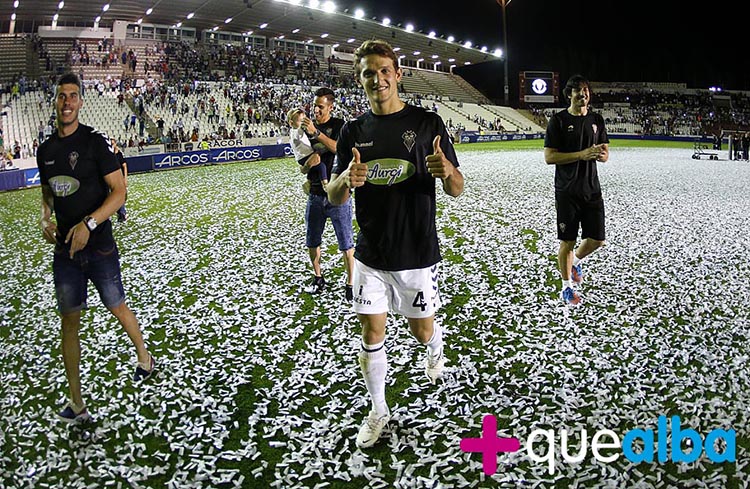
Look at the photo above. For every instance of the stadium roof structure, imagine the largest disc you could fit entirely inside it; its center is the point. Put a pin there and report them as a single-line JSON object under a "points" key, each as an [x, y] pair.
{"points": [[314, 21]]}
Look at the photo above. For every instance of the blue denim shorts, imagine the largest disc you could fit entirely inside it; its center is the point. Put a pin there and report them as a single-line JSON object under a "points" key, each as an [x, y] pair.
{"points": [[317, 211], [98, 262]]}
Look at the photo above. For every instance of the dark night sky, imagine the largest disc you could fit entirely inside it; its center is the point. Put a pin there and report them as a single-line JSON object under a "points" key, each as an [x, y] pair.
{"points": [[657, 41]]}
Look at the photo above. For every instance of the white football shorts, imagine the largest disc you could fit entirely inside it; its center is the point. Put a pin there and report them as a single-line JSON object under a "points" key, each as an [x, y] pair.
{"points": [[411, 293]]}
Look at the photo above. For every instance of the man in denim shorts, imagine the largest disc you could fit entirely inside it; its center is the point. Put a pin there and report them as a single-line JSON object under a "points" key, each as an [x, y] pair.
{"points": [[82, 183], [323, 133], [391, 157]]}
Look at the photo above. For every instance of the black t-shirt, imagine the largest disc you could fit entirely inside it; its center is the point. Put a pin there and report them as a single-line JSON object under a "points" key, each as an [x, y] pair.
{"points": [[74, 168], [332, 129], [120, 161], [569, 133], [396, 205]]}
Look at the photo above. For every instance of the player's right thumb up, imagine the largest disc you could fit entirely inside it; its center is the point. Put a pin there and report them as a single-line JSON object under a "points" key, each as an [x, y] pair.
{"points": [[355, 154]]}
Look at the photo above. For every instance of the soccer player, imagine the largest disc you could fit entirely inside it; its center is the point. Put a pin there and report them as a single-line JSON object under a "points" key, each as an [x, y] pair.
{"points": [[83, 184], [323, 133], [576, 139], [392, 155]]}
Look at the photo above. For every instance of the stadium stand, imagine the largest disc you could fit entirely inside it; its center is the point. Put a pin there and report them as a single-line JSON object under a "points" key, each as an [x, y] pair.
{"points": [[15, 57], [215, 89]]}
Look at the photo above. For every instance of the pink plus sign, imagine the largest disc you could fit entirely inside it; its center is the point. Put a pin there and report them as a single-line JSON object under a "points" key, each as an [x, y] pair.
{"points": [[489, 444]]}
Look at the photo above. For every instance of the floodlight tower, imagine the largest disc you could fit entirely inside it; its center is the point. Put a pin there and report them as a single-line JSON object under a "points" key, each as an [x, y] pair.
{"points": [[506, 88]]}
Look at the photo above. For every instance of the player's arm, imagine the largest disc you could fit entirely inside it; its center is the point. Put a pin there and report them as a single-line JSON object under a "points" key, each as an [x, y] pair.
{"points": [[313, 132], [604, 156], [125, 173], [115, 199], [454, 184], [78, 236], [553, 156], [441, 167], [338, 192], [49, 228], [329, 143], [341, 184]]}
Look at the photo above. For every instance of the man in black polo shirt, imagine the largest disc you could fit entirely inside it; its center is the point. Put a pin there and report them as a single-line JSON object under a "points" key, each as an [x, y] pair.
{"points": [[576, 139], [82, 183], [392, 156], [323, 133]]}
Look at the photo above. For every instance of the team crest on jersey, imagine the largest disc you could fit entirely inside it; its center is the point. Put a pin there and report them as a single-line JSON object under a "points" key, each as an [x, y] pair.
{"points": [[410, 138], [593, 126], [571, 128], [73, 160]]}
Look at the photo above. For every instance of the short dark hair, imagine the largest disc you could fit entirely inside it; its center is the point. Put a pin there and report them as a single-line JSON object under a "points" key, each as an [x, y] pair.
{"points": [[326, 93], [575, 82], [374, 46], [69, 78]]}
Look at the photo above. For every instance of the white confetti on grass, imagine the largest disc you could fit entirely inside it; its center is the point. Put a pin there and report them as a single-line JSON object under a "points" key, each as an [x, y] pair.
{"points": [[258, 385]]}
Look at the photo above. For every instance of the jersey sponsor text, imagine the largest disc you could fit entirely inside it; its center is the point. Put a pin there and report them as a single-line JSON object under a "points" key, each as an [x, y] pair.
{"points": [[389, 171]]}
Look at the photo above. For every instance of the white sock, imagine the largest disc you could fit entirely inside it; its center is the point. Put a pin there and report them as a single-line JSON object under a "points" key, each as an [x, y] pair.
{"points": [[576, 260], [374, 365], [566, 284], [435, 345]]}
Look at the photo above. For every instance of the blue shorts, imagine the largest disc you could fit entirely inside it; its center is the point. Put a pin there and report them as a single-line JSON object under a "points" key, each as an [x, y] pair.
{"points": [[317, 211], [98, 262]]}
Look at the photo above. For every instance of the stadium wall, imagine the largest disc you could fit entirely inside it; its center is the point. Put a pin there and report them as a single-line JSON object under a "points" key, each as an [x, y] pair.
{"points": [[29, 177], [477, 137]]}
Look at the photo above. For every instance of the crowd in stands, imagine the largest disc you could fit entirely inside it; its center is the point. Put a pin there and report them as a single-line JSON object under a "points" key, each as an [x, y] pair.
{"points": [[185, 62], [204, 92], [666, 113], [489, 125]]}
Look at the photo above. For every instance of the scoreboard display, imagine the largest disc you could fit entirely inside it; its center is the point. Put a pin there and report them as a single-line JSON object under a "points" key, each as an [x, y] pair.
{"points": [[539, 87]]}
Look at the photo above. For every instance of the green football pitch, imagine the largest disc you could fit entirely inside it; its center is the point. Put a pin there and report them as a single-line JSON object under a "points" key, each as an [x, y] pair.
{"points": [[258, 384]]}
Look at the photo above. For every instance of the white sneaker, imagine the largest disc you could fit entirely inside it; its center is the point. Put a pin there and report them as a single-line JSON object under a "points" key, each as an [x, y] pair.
{"points": [[433, 367], [372, 428]]}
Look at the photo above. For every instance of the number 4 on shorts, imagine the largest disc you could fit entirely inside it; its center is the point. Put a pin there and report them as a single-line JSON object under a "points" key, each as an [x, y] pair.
{"points": [[419, 301]]}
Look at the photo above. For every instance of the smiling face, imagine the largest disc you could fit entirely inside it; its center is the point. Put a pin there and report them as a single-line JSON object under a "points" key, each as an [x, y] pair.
{"points": [[580, 96], [379, 77], [68, 103], [322, 108]]}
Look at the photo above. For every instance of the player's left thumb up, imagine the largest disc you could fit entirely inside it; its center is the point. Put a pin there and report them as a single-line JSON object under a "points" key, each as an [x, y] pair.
{"points": [[436, 145]]}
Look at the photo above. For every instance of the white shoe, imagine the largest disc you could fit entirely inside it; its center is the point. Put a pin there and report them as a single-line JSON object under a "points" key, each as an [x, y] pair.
{"points": [[372, 428], [433, 367]]}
